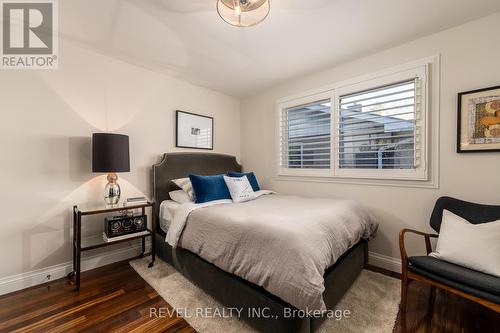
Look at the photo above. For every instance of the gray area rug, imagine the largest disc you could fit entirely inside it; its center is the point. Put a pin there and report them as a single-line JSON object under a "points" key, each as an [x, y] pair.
{"points": [[373, 302]]}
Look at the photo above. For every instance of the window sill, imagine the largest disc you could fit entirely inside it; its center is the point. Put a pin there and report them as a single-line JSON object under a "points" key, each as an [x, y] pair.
{"points": [[430, 184]]}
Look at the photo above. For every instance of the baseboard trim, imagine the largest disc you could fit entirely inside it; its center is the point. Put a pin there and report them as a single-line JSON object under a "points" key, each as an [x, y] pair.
{"points": [[383, 261], [29, 279]]}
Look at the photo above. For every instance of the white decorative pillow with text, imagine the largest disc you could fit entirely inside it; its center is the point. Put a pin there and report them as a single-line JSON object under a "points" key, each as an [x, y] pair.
{"points": [[239, 188]]}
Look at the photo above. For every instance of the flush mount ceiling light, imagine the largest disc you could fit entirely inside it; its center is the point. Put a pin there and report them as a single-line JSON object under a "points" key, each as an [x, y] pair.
{"points": [[243, 13]]}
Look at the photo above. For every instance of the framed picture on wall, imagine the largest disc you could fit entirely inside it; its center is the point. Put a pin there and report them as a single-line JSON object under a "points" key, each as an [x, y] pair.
{"points": [[194, 130], [479, 120]]}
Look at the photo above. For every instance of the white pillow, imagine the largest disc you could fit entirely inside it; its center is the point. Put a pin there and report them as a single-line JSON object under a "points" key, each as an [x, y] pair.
{"points": [[239, 188], [476, 246], [186, 185], [179, 196]]}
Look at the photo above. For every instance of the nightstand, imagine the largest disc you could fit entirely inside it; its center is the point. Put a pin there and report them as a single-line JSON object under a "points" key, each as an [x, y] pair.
{"points": [[80, 245]]}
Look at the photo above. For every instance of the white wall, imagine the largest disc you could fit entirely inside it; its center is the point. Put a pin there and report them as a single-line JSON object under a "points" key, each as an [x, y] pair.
{"points": [[47, 118], [469, 60]]}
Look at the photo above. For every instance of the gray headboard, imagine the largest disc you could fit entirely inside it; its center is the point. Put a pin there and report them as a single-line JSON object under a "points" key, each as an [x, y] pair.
{"points": [[178, 165]]}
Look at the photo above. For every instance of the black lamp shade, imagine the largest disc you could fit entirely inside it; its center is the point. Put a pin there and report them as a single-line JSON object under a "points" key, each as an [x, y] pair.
{"points": [[110, 153]]}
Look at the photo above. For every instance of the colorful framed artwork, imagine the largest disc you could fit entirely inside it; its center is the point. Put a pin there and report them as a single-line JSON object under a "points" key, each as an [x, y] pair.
{"points": [[194, 131], [479, 120]]}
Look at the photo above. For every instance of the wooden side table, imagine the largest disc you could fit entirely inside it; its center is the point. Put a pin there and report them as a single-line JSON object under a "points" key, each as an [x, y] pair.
{"points": [[80, 245]]}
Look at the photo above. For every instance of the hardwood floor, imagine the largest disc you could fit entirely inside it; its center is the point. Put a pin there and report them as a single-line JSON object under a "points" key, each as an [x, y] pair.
{"points": [[114, 298]]}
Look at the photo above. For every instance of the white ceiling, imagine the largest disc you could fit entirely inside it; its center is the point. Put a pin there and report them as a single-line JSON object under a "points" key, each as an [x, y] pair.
{"points": [[186, 38]]}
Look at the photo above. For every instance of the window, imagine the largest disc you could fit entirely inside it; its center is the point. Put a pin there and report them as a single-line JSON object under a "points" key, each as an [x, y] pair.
{"points": [[307, 137], [380, 127], [376, 128], [368, 128], [305, 134]]}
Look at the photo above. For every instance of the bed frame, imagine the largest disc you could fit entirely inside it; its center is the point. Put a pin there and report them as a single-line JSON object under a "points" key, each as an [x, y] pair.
{"points": [[229, 289]]}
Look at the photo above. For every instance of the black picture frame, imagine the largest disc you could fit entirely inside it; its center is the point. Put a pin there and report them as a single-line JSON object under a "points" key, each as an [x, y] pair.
{"points": [[178, 145], [460, 97]]}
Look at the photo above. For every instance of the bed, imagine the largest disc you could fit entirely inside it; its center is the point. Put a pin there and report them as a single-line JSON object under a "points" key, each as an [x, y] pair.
{"points": [[231, 289]]}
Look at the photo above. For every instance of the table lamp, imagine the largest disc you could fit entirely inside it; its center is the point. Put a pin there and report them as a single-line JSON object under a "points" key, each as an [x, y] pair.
{"points": [[110, 154]]}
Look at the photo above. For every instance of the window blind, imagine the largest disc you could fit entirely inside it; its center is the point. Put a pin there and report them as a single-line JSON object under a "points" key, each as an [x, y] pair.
{"points": [[376, 128], [305, 138]]}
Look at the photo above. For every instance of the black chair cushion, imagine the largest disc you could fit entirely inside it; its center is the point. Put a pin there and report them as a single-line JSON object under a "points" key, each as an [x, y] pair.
{"points": [[464, 279]]}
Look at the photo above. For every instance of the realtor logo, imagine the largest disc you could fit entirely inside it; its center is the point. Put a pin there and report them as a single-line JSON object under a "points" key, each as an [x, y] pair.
{"points": [[28, 34]]}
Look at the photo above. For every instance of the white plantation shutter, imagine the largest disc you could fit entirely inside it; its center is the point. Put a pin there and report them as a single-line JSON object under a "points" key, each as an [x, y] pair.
{"points": [[379, 128], [374, 127], [305, 138]]}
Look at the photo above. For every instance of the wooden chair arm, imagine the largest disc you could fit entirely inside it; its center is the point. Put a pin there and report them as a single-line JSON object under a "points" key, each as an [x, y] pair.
{"points": [[404, 256]]}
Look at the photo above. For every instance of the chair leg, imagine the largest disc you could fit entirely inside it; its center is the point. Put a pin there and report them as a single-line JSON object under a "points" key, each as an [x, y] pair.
{"points": [[404, 293]]}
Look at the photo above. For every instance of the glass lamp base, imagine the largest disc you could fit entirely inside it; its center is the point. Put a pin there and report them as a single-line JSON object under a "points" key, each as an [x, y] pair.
{"points": [[112, 190]]}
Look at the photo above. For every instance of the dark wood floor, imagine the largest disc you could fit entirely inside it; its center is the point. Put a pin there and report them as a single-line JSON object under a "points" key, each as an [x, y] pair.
{"points": [[112, 298], [115, 299]]}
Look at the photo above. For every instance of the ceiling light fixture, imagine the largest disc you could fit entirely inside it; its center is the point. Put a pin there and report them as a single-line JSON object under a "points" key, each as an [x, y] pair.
{"points": [[243, 13]]}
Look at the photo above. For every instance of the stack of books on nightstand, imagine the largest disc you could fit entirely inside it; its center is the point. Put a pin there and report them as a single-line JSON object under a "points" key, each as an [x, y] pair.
{"points": [[135, 201]]}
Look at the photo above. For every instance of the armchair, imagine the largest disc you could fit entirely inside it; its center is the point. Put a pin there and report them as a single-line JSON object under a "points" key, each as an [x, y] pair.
{"points": [[473, 285]]}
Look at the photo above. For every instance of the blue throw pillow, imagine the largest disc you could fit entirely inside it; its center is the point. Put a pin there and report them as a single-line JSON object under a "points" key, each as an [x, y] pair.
{"points": [[209, 188], [251, 178]]}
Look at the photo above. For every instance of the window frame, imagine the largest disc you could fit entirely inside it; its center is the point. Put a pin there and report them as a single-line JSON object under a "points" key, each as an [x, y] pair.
{"points": [[425, 175]]}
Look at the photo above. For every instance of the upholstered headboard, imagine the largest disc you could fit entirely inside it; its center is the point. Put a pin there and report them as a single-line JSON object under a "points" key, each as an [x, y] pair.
{"points": [[178, 165]]}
